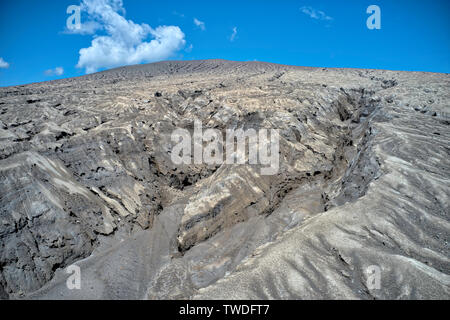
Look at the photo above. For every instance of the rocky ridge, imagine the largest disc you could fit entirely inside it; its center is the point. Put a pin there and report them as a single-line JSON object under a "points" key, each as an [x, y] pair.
{"points": [[87, 178]]}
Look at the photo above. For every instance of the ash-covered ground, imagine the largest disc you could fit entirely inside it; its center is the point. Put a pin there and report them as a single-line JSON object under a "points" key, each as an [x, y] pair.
{"points": [[363, 183]]}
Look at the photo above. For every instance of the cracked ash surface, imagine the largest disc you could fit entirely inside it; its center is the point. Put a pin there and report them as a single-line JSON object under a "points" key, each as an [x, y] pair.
{"points": [[87, 178]]}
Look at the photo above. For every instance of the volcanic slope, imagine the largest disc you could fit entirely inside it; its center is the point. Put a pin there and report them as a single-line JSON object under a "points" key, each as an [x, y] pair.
{"points": [[362, 188]]}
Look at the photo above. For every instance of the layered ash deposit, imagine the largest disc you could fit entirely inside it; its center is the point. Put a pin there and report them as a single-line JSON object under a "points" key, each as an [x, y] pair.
{"points": [[87, 179]]}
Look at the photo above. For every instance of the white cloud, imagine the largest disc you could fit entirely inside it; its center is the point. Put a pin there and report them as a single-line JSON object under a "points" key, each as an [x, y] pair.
{"points": [[233, 35], [199, 24], [125, 41], [181, 15], [3, 64], [58, 71], [88, 27], [315, 14]]}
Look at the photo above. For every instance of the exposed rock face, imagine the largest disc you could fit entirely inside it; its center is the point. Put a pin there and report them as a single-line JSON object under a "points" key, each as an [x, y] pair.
{"points": [[363, 180]]}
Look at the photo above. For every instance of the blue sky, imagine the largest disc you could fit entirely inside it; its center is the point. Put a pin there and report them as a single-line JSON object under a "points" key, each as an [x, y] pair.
{"points": [[36, 45]]}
